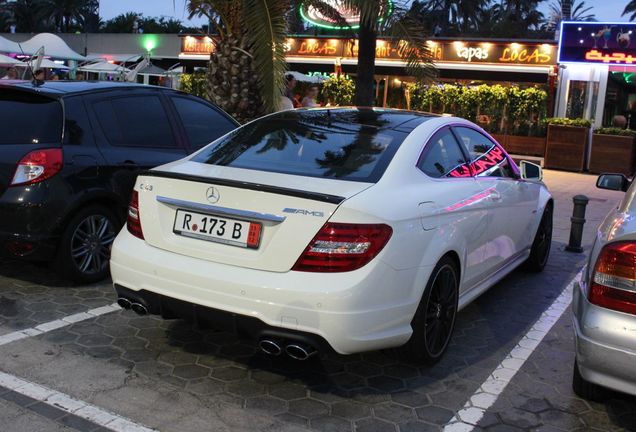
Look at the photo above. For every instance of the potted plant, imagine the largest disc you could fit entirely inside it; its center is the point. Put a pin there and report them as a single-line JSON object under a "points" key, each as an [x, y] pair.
{"points": [[567, 143], [613, 151]]}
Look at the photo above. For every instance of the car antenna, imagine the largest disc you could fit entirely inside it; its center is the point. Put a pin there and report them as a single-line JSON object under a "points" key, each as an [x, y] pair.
{"points": [[34, 81]]}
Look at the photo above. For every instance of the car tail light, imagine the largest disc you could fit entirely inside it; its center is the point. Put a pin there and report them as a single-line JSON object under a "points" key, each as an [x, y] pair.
{"points": [[614, 279], [38, 166], [133, 222], [342, 247]]}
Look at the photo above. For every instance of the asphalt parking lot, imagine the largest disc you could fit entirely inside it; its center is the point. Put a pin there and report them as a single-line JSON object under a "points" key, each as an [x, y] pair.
{"points": [[69, 361]]}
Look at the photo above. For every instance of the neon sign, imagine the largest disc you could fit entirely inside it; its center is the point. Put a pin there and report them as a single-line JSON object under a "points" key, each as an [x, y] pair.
{"points": [[614, 57], [314, 16], [597, 42]]}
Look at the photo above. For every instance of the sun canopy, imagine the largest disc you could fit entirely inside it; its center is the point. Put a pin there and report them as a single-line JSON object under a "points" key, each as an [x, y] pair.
{"points": [[307, 78], [152, 70], [53, 45], [7, 46], [6, 60], [103, 67], [119, 58], [44, 64]]}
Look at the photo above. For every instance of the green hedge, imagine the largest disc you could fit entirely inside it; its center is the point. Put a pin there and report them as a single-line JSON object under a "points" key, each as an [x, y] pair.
{"points": [[497, 108], [577, 122], [615, 131]]}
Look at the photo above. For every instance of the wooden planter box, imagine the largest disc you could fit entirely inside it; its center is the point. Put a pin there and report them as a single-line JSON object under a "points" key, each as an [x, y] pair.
{"points": [[523, 145], [501, 139], [566, 147], [612, 153]]}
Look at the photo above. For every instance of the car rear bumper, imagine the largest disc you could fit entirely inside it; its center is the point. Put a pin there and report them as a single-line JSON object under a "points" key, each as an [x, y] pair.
{"points": [[367, 309], [605, 344]]}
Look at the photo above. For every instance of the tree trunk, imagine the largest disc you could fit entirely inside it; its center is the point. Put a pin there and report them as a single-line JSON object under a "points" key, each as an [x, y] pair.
{"points": [[366, 67]]}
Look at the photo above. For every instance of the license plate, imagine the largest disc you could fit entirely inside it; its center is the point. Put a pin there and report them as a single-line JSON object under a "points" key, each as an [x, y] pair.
{"points": [[217, 229]]}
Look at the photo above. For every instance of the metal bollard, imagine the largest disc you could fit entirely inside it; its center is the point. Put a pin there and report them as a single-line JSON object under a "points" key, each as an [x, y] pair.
{"points": [[578, 221]]}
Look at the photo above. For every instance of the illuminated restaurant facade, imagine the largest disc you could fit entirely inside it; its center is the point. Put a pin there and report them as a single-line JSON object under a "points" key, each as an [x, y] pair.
{"points": [[468, 61], [597, 68]]}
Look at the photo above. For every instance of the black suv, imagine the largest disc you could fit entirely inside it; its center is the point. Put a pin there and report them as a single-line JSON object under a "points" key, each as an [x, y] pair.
{"points": [[69, 156]]}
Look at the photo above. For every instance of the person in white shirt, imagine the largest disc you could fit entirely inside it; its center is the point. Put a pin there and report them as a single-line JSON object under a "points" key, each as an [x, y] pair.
{"points": [[309, 100], [12, 74]]}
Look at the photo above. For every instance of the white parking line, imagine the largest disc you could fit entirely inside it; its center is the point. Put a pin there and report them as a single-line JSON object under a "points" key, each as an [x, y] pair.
{"points": [[56, 324], [475, 408], [70, 405]]}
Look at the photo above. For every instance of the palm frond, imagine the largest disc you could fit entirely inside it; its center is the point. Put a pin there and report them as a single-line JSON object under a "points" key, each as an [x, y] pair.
{"points": [[265, 20], [218, 12], [414, 49]]}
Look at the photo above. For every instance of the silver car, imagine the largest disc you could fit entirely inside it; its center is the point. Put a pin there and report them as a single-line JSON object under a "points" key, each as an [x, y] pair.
{"points": [[604, 303]]}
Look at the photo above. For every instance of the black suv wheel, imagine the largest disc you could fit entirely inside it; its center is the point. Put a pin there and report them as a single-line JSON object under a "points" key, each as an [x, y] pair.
{"points": [[84, 252]]}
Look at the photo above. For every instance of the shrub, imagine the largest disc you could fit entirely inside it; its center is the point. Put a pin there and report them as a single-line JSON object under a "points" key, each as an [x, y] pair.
{"points": [[615, 131], [338, 90], [497, 108], [577, 122], [194, 83]]}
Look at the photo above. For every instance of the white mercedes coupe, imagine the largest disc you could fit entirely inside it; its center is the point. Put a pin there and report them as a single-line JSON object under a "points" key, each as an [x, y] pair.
{"points": [[351, 229]]}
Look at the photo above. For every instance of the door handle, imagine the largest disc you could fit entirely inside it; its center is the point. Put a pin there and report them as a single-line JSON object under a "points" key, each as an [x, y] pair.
{"points": [[495, 196]]}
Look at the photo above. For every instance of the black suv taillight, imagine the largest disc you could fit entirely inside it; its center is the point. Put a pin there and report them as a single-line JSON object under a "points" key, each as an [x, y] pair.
{"points": [[38, 166]]}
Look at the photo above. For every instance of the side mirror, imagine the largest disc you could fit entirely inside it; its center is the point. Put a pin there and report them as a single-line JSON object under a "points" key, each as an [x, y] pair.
{"points": [[615, 182], [530, 171]]}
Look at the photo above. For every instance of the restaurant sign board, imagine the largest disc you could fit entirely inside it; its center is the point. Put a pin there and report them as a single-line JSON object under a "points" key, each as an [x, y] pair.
{"points": [[597, 42], [440, 51]]}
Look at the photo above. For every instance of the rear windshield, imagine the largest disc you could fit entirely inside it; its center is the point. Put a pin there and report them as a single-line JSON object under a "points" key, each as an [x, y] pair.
{"points": [[31, 119], [354, 145]]}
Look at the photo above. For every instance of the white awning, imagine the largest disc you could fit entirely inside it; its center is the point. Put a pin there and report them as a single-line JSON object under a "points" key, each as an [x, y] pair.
{"points": [[307, 78], [44, 64], [10, 61], [8, 46], [103, 67], [118, 58], [53, 45]]}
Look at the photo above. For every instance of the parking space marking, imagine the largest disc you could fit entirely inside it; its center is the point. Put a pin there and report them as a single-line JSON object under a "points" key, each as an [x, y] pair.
{"points": [[56, 324], [466, 419], [66, 403]]}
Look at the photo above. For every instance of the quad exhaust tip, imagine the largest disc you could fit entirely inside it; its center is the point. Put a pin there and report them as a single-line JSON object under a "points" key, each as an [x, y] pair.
{"points": [[124, 303], [270, 347], [139, 309], [300, 351]]}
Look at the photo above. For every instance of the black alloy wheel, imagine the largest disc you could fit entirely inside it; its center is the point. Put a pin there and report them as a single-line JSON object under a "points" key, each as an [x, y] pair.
{"points": [[91, 242], [84, 252], [540, 251], [434, 319]]}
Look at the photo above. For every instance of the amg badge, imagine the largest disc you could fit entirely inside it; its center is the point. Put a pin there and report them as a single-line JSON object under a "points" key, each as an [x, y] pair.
{"points": [[303, 212]]}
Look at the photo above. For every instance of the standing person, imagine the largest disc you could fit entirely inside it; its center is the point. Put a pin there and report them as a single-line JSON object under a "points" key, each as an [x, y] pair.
{"points": [[12, 74], [289, 88], [79, 76], [39, 75], [309, 100]]}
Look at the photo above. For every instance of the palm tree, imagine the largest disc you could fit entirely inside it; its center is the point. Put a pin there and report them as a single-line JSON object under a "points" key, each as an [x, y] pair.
{"points": [[123, 23], [246, 70], [630, 8], [564, 10], [399, 25], [27, 16], [68, 14]]}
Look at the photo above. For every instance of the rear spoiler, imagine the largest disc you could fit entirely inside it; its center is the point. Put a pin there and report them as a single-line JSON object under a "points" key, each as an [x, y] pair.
{"points": [[315, 196]]}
